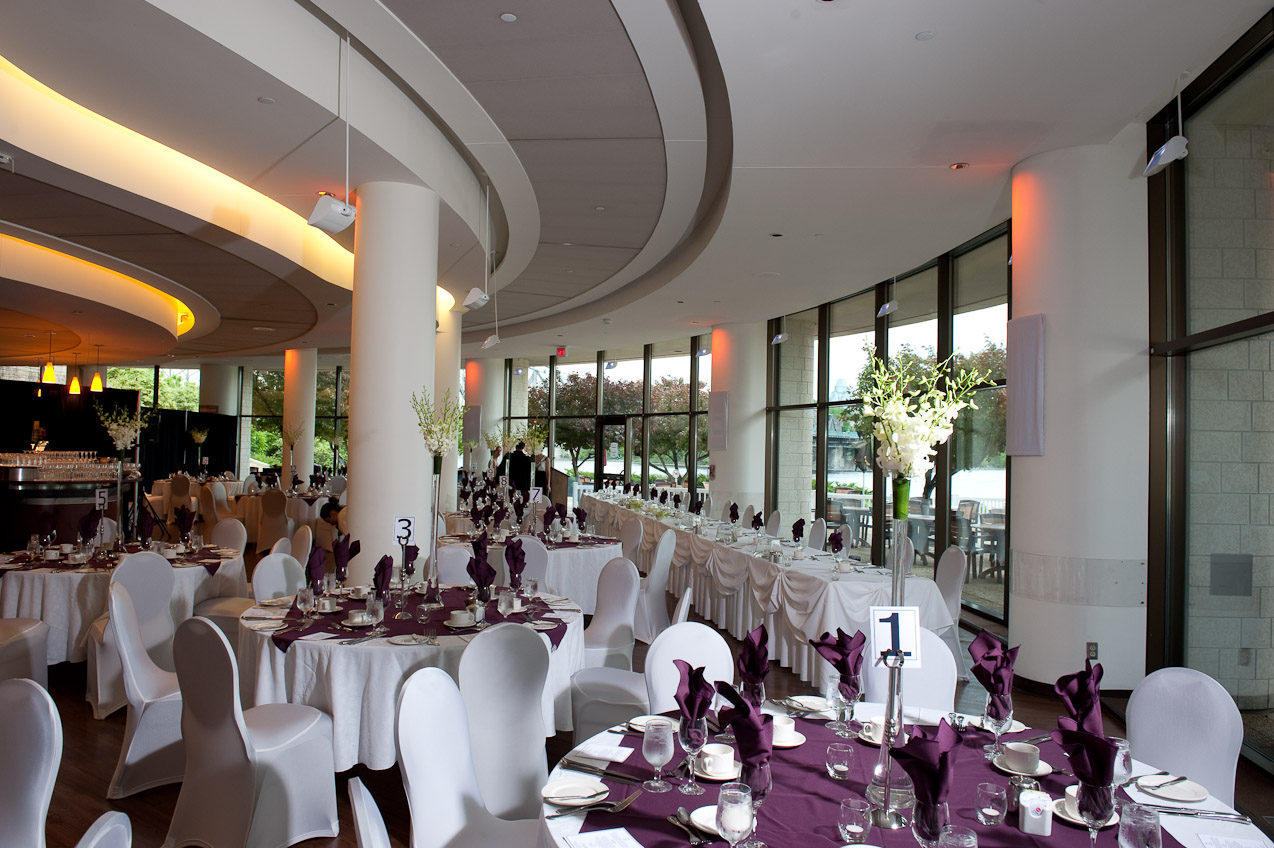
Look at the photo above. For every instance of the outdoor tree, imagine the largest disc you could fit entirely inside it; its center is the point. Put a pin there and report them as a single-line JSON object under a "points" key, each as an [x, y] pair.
{"points": [[175, 391], [670, 435]]}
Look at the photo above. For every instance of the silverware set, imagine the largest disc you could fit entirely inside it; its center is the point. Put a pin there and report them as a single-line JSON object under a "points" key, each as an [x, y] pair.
{"points": [[599, 807], [681, 820], [1218, 815], [598, 771], [376, 633]]}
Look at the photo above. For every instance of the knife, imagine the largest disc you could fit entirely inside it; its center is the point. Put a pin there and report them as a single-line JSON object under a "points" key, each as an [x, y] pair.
{"points": [[1200, 814], [598, 771]]}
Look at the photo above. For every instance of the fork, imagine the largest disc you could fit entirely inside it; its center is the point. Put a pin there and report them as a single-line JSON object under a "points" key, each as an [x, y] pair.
{"points": [[603, 807]]}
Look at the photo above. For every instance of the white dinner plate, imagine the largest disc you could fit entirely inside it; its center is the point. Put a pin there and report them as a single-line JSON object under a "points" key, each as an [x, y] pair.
{"points": [[1187, 791], [638, 724], [1060, 811], [797, 740], [348, 622], [451, 626], [733, 773], [705, 818], [408, 639], [1015, 727], [574, 791], [267, 626], [1042, 770], [540, 625]]}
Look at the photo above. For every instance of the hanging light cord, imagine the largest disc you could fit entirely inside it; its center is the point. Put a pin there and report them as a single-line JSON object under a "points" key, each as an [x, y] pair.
{"points": [[345, 104], [486, 262]]}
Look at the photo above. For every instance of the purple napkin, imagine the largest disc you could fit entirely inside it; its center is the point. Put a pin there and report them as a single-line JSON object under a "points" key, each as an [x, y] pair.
{"points": [[927, 758], [383, 573], [694, 694], [676, 501], [314, 568], [296, 482], [757, 521], [487, 511], [515, 560], [184, 518], [753, 664], [663, 496], [343, 550], [1092, 757], [409, 560], [475, 515], [753, 730], [580, 517], [481, 571], [835, 542], [519, 509], [698, 506], [480, 546], [501, 514], [654, 493], [1081, 695], [845, 653], [734, 513], [798, 529], [464, 494], [146, 525], [993, 667], [89, 525]]}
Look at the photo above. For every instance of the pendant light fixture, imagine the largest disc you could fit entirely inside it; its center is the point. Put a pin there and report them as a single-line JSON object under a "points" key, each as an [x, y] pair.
{"points": [[48, 376], [96, 385], [75, 377], [494, 338]]}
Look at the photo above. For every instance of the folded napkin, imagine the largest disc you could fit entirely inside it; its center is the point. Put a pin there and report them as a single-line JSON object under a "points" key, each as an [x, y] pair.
{"points": [[488, 510], [694, 693], [519, 509], [798, 530], [1092, 756], [758, 521], [835, 542], [500, 514], [663, 496], [580, 517], [753, 730], [481, 571], [1081, 696], [993, 667], [343, 550], [753, 664], [314, 568], [184, 518], [734, 513], [382, 575], [697, 508], [928, 759], [89, 524], [296, 482], [845, 653], [145, 525], [475, 514], [463, 494], [676, 501], [654, 493], [515, 561], [409, 560]]}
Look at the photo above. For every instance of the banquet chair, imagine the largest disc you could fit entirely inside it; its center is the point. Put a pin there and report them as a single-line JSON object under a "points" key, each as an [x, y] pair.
{"points": [[608, 639], [502, 675], [257, 778], [537, 560], [817, 535], [652, 606], [225, 612], [453, 562], [178, 494], [949, 574], [302, 542], [745, 518], [337, 484], [773, 523], [149, 580], [706, 511], [111, 830], [107, 529], [220, 502], [152, 752], [369, 825], [283, 546], [446, 805], [24, 649], [931, 686], [440, 525], [274, 518], [725, 512], [277, 576], [343, 500], [230, 533], [207, 510], [31, 749], [697, 644], [682, 612], [630, 536], [1185, 722]]}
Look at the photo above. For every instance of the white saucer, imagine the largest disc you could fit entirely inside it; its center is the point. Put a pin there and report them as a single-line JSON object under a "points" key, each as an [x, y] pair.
{"points": [[572, 786], [1015, 727], [813, 703], [1042, 770], [1187, 791], [638, 723], [540, 625], [267, 626], [350, 623], [797, 740], [408, 639], [719, 778], [705, 818], [459, 626], [1059, 811]]}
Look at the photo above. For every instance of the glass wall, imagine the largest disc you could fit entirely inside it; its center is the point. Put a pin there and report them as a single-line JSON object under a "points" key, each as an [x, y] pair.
{"points": [[331, 418]]}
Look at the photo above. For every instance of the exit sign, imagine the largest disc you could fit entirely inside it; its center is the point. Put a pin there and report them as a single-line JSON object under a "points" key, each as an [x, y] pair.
{"points": [[561, 351]]}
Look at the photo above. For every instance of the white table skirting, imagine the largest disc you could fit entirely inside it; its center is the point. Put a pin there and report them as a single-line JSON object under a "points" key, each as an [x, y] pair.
{"points": [[572, 572]]}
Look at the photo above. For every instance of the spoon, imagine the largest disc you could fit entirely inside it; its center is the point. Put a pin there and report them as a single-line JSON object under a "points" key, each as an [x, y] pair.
{"points": [[683, 815]]}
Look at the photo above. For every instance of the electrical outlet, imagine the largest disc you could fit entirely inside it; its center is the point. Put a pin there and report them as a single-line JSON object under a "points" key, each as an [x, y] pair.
{"points": [[1092, 650]]}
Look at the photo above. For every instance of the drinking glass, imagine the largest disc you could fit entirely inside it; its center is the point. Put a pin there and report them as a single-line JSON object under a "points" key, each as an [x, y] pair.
{"points": [[927, 822], [33, 544], [504, 604], [855, 820], [758, 780], [992, 803], [954, 836], [840, 760], [831, 691], [735, 817], [196, 540], [996, 726], [531, 585], [375, 609], [1123, 760], [329, 584], [1095, 803], [656, 747], [692, 735], [1139, 827], [305, 602]]}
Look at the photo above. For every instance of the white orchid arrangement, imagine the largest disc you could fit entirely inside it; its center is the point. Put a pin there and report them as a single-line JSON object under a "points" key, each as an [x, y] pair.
{"points": [[494, 440], [291, 433], [912, 414], [123, 427], [198, 436], [441, 423], [534, 435]]}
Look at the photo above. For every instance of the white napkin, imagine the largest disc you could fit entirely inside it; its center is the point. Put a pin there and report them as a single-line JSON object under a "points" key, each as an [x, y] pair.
{"points": [[318, 637], [596, 749], [617, 837]]}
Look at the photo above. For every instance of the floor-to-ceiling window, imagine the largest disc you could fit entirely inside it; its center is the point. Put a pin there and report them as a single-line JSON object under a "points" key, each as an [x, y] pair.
{"points": [[264, 409]]}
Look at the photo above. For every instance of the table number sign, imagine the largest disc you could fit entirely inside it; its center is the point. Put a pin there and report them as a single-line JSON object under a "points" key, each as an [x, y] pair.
{"points": [[896, 629], [100, 500], [536, 491], [405, 529]]}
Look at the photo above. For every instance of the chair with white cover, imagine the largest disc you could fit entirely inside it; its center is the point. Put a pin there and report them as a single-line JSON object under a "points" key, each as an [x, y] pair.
{"points": [[369, 825], [453, 562], [1183, 721], [682, 612], [257, 778], [932, 686], [274, 518], [697, 644], [908, 555], [447, 809], [630, 536], [24, 649], [283, 546], [745, 519], [230, 533], [225, 612], [652, 606], [706, 510], [152, 752], [773, 523], [302, 542], [725, 511], [537, 559], [207, 510], [149, 579], [603, 697], [107, 530], [337, 484], [178, 494], [502, 675], [608, 639], [817, 536], [949, 575], [277, 576], [31, 750], [111, 830], [219, 500]]}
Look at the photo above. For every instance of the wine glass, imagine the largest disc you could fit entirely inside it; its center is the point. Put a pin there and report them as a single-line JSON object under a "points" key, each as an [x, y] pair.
{"points": [[831, 692], [758, 780], [306, 603], [1095, 803], [996, 725], [692, 735], [735, 816], [656, 747], [927, 822]]}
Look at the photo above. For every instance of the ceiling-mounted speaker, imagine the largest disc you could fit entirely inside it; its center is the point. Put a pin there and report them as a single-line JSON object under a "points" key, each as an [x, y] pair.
{"points": [[1172, 150], [476, 298], [332, 215]]}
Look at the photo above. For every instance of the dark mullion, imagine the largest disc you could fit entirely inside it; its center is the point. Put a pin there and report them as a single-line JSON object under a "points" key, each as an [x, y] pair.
{"points": [[942, 462], [878, 493], [820, 416]]}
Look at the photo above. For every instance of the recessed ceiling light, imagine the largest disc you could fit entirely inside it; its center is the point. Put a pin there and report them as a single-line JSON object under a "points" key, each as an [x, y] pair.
{"points": [[569, 271], [767, 274], [959, 166], [693, 324], [681, 301], [599, 208], [77, 311], [265, 101], [508, 17], [568, 244], [924, 36], [329, 303], [776, 235], [264, 329]]}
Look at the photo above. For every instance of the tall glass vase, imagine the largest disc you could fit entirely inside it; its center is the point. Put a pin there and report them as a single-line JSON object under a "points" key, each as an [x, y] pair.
{"points": [[121, 529], [433, 592]]}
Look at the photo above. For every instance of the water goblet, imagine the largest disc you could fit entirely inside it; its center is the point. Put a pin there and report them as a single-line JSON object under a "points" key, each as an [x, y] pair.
{"points": [[306, 603], [991, 804], [955, 836], [1123, 760], [656, 747], [692, 735], [1096, 804], [927, 823], [375, 609], [735, 816], [831, 692], [996, 717], [855, 820], [1139, 827], [840, 760], [758, 779], [531, 586], [504, 603], [33, 544]]}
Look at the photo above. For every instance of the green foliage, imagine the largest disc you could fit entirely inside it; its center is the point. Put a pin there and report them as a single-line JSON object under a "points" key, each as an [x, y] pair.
{"points": [[175, 391]]}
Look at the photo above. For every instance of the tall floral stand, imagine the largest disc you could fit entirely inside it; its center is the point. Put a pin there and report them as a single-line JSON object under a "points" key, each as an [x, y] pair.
{"points": [[433, 597]]}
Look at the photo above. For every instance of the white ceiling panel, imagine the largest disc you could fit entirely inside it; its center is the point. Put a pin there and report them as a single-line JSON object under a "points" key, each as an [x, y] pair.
{"points": [[616, 106]]}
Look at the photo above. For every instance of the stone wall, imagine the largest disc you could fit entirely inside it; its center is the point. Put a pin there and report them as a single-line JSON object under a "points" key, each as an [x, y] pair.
{"points": [[798, 373]]}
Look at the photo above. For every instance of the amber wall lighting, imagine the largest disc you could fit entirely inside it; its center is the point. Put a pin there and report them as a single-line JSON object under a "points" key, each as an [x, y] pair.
{"points": [[75, 377], [96, 385], [48, 376]]}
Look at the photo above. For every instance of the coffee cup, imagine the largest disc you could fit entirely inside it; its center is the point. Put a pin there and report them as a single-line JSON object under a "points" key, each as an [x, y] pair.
{"points": [[716, 759], [460, 618], [358, 592], [359, 617], [874, 728], [799, 553], [1071, 801], [66, 547], [1021, 757], [52, 553], [784, 730], [327, 604]]}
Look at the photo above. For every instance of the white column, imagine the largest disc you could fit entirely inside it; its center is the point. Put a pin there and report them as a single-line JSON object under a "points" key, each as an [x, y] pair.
{"points": [[447, 379], [484, 386], [300, 385], [395, 275], [738, 367], [218, 388], [1079, 512]]}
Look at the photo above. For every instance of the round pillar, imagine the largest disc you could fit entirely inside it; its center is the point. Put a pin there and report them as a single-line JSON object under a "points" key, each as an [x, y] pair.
{"points": [[738, 361], [300, 386], [218, 388], [484, 387], [447, 379]]}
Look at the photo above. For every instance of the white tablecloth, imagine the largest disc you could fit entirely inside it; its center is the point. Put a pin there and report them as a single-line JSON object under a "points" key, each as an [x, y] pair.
{"points": [[737, 591], [357, 685], [248, 510], [572, 572], [70, 601]]}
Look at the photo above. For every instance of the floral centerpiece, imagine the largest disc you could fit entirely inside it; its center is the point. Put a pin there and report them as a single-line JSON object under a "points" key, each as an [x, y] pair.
{"points": [[913, 410], [198, 436], [534, 436], [291, 433], [440, 426], [124, 428], [494, 440]]}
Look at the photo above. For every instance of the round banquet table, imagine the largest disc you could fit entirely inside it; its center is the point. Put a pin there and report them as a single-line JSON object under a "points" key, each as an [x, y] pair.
{"points": [[803, 805], [357, 685], [70, 599], [573, 568], [300, 509]]}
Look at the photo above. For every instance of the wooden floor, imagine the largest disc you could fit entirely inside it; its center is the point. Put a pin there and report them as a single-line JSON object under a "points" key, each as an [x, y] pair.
{"points": [[91, 747]]}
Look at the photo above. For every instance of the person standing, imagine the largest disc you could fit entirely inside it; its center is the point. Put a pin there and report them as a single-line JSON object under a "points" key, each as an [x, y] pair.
{"points": [[519, 469]]}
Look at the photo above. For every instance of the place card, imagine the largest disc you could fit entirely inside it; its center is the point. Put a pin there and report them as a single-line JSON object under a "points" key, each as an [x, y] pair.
{"points": [[318, 637], [616, 837], [1216, 840]]}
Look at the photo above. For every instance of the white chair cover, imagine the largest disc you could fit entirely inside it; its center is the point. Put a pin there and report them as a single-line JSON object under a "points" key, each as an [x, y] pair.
{"points": [[604, 697], [207, 510], [31, 750], [774, 522], [283, 546], [220, 502], [745, 519], [949, 575], [274, 518], [337, 485], [369, 826], [537, 559], [152, 752], [24, 649], [149, 580], [652, 606], [608, 639], [230, 533], [630, 536], [502, 674], [302, 542], [682, 612], [817, 535], [106, 532], [178, 493], [697, 644], [932, 686], [453, 562], [446, 804], [725, 512], [908, 555], [1185, 722], [258, 778], [111, 830], [277, 576]]}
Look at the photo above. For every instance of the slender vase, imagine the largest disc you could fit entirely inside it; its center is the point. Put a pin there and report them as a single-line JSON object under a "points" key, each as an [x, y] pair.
{"points": [[121, 529], [433, 593]]}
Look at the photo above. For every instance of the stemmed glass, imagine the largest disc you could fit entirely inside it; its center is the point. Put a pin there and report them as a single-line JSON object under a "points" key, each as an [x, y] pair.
{"points": [[927, 823], [831, 693], [306, 603], [1095, 803], [1123, 761], [758, 780], [692, 735], [996, 726], [656, 747], [735, 816], [1139, 827]]}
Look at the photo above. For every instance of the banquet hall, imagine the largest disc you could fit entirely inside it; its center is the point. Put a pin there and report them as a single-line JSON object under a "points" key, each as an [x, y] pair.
{"points": [[664, 244]]}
